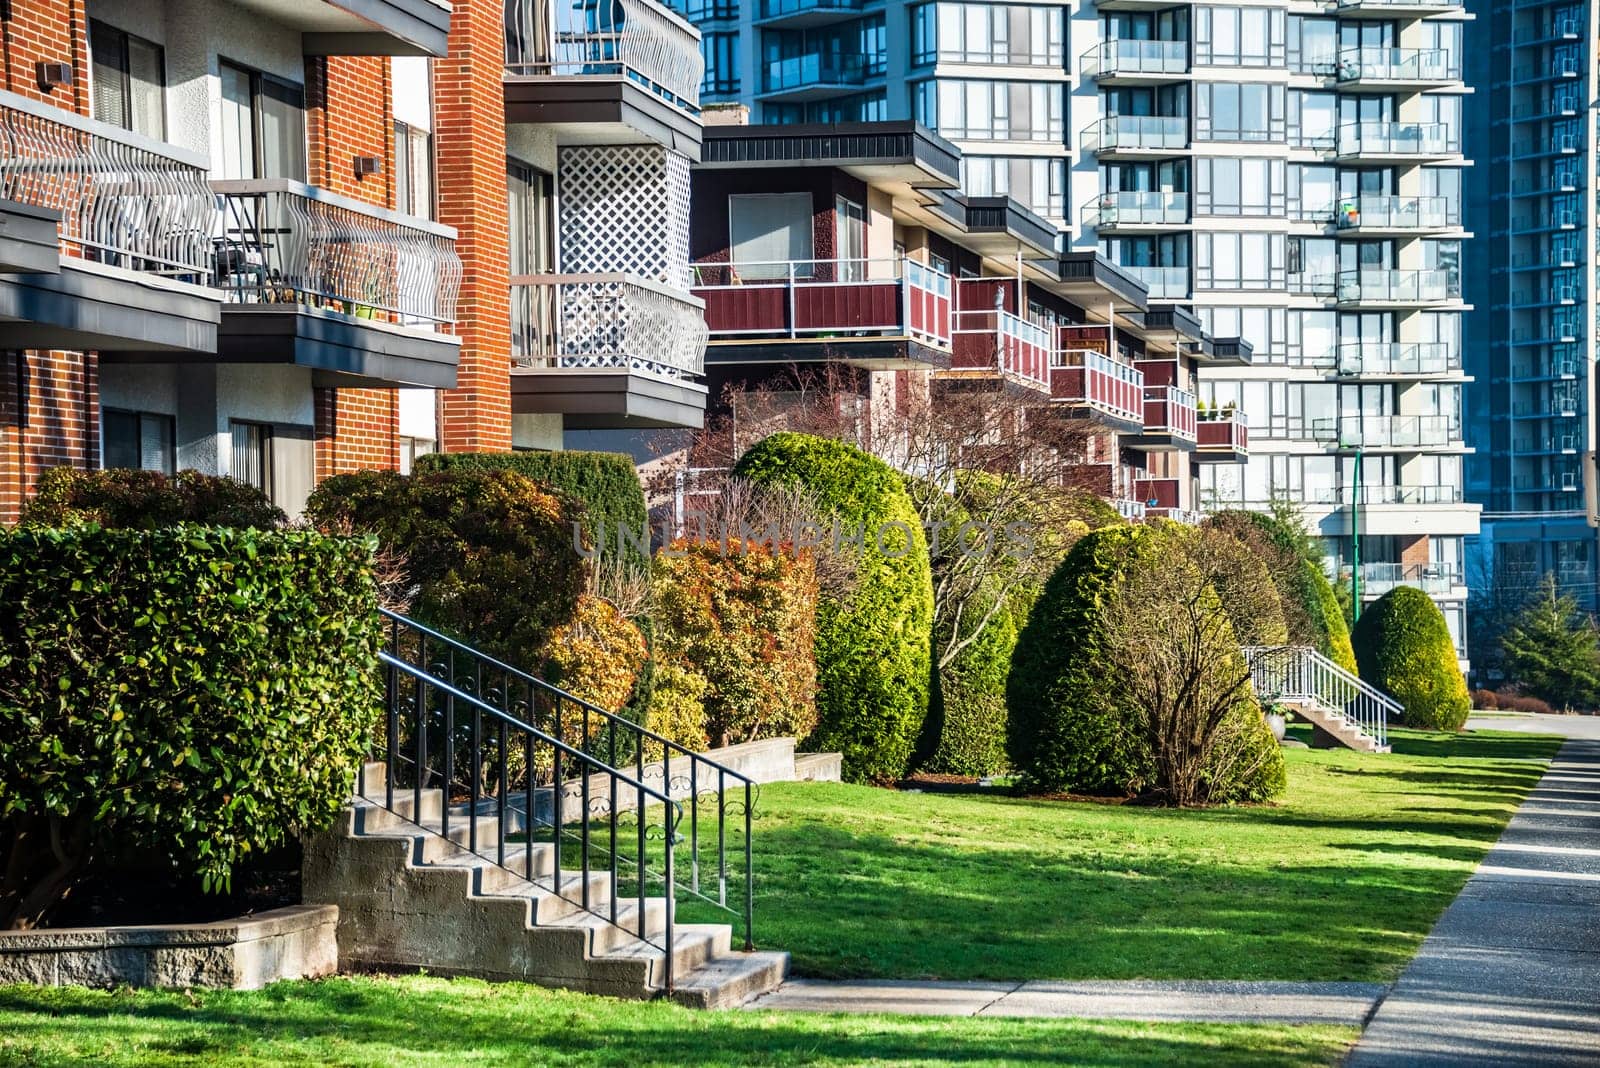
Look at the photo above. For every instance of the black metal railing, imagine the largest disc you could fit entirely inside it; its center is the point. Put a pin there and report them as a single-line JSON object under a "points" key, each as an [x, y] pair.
{"points": [[621, 769]]}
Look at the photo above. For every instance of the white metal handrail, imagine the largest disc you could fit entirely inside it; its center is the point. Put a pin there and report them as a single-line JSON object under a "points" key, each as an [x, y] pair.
{"points": [[639, 39], [1297, 673], [606, 322], [125, 200]]}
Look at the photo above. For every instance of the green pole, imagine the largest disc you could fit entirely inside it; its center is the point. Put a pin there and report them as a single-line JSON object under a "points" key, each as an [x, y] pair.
{"points": [[1355, 543]]}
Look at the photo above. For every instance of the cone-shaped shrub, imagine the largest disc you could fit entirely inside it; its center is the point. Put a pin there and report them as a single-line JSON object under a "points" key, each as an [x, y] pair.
{"points": [[872, 643], [1404, 649]]}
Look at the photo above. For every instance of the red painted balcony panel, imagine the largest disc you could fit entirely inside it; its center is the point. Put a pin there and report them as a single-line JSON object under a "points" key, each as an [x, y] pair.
{"points": [[1224, 433], [1170, 411], [1091, 380], [1157, 492], [821, 307], [748, 309], [819, 297]]}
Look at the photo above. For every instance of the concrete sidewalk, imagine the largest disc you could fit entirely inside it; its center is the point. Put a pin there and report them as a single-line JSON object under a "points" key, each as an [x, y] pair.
{"points": [[1198, 1001], [1511, 972]]}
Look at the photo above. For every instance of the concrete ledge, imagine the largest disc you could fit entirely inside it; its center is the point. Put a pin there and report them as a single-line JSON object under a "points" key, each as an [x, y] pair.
{"points": [[297, 942]]}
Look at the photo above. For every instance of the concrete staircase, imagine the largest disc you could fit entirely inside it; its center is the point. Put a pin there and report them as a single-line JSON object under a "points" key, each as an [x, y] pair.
{"points": [[412, 897], [1331, 730], [1342, 709]]}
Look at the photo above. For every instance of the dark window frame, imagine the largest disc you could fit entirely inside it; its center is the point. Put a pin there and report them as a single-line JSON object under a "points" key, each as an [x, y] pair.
{"points": [[103, 32], [260, 81], [139, 419]]}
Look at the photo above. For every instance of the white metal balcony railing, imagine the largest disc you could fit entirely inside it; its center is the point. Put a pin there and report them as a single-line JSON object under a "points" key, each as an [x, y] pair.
{"points": [[1398, 358], [1398, 65], [1397, 139], [125, 200], [1398, 431], [1137, 209], [608, 322], [1131, 510], [1136, 57], [638, 39], [1410, 287], [285, 242], [1163, 283], [1153, 132], [1395, 213]]}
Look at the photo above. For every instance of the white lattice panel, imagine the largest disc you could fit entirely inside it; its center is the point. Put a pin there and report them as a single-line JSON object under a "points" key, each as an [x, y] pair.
{"points": [[625, 208]]}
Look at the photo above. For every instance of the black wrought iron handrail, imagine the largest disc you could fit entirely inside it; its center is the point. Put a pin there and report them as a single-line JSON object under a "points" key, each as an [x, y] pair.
{"points": [[708, 784], [434, 705]]}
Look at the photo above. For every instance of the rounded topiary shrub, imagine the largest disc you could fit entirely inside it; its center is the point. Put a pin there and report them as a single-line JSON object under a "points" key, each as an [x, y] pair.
{"points": [[872, 642], [190, 693], [1404, 648], [145, 500]]}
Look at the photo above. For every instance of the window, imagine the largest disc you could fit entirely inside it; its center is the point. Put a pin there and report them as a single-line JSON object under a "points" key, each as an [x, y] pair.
{"points": [[769, 230], [1227, 111], [1239, 36], [1313, 45], [411, 448], [1239, 261], [139, 440], [129, 76], [721, 54], [1262, 327], [1312, 119], [1313, 338], [850, 237], [987, 33], [250, 460], [1239, 186], [413, 170], [263, 125], [1313, 192]]}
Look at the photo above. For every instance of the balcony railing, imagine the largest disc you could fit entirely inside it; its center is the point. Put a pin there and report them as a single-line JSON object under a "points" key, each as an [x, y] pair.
{"points": [[1408, 287], [1436, 580], [1131, 510], [1222, 430], [125, 200], [1399, 358], [1153, 132], [993, 338], [285, 242], [636, 39], [1398, 431], [1093, 380], [1397, 139], [1171, 411], [773, 9], [1163, 283], [606, 322], [817, 298], [1395, 213], [1313, 283], [798, 72], [1137, 209], [1398, 65], [1136, 57]]}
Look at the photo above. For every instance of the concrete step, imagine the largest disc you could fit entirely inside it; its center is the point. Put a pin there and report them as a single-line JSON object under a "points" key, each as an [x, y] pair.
{"points": [[733, 979], [818, 767]]}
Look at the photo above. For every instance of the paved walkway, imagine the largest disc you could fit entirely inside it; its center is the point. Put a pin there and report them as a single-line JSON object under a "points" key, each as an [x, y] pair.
{"points": [[1346, 1004], [1511, 972]]}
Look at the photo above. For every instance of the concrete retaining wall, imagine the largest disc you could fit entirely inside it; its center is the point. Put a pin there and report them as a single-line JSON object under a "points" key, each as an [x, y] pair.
{"points": [[247, 953]]}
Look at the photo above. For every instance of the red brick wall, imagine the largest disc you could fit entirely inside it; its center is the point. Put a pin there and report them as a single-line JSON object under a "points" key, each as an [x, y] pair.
{"points": [[470, 142], [357, 429], [49, 30], [1414, 552]]}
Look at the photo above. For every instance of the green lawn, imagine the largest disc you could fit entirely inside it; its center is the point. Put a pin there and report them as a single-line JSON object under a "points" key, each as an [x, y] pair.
{"points": [[429, 1021], [1340, 881]]}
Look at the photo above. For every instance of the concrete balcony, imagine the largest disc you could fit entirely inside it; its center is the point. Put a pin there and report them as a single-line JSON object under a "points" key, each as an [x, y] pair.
{"points": [[607, 351], [996, 346], [1152, 210], [1381, 286], [1365, 216], [631, 72], [106, 237], [361, 295], [1137, 136], [1388, 70], [1130, 62], [1396, 142], [1394, 359], [1091, 385], [1222, 436], [776, 14], [1398, 9]]}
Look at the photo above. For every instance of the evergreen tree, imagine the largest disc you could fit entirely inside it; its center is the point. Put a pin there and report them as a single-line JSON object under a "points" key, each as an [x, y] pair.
{"points": [[1552, 650]]}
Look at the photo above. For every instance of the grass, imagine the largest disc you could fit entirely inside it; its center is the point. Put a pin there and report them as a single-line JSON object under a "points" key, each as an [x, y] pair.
{"points": [[429, 1021], [1340, 881]]}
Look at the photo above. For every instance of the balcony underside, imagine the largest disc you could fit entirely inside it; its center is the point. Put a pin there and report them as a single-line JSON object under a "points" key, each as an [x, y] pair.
{"points": [[866, 353], [88, 307], [988, 380], [1158, 441], [600, 110], [590, 399], [362, 27], [1100, 417], [341, 351], [1220, 454], [28, 239]]}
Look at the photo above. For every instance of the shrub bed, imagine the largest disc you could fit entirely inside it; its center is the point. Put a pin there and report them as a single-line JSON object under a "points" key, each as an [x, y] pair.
{"points": [[191, 692], [146, 500], [872, 643], [1404, 648]]}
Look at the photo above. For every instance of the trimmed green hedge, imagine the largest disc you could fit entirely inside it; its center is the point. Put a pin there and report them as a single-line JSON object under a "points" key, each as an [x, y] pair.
{"points": [[603, 484], [969, 701], [145, 500], [191, 692], [872, 645], [1404, 648]]}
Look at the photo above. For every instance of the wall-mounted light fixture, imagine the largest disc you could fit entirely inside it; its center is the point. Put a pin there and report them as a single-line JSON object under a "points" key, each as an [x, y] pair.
{"points": [[53, 74], [366, 165]]}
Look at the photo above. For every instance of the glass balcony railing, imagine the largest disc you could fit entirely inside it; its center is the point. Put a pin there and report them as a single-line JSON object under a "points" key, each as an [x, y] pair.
{"points": [[1143, 132], [1377, 579], [1397, 139], [637, 39], [1402, 287], [1395, 213], [776, 9], [1398, 431], [1163, 283], [1398, 358], [1398, 65], [799, 72], [1137, 209], [1136, 57]]}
